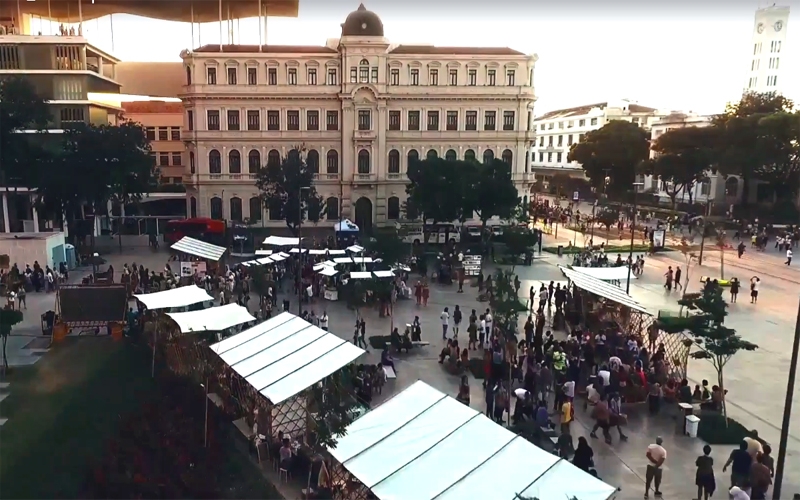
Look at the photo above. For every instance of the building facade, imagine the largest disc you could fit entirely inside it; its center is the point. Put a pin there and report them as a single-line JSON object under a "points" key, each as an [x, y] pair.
{"points": [[768, 43], [358, 109], [163, 122], [557, 131]]}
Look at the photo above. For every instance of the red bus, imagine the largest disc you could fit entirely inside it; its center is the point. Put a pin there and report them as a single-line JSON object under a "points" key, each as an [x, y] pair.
{"points": [[200, 228]]}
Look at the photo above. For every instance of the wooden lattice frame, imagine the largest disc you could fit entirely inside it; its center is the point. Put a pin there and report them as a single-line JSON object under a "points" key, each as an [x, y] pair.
{"points": [[353, 489]]}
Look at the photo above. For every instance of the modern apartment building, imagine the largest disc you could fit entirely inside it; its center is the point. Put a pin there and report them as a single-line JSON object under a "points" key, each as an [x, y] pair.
{"points": [[358, 108]]}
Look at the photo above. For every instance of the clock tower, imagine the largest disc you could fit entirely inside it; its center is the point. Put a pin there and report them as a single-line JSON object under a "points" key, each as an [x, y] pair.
{"points": [[767, 58]]}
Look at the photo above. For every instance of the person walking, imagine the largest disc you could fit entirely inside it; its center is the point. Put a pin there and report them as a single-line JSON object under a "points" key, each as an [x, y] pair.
{"points": [[788, 256], [678, 273], [755, 282], [656, 456], [457, 316], [735, 284], [445, 317], [704, 477]]}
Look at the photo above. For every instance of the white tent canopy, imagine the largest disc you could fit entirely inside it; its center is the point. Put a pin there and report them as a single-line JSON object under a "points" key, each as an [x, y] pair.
{"points": [[285, 355], [177, 297], [355, 249], [327, 271], [383, 274], [346, 225], [263, 252], [212, 319], [281, 241], [606, 273], [343, 260], [412, 447], [602, 289], [199, 248], [361, 275]]}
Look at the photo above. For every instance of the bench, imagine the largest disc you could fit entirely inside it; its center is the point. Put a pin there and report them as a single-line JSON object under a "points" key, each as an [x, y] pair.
{"points": [[419, 343], [389, 371]]}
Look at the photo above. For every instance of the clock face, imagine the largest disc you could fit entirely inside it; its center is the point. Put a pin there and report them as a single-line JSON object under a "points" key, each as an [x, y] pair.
{"points": [[363, 26], [760, 27], [778, 25]]}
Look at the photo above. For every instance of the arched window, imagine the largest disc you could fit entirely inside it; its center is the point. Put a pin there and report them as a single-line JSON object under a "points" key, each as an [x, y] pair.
{"points": [[364, 62], [332, 208], [273, 158], [394, 161], [191, 162], [332, 162], [234, 163], [236, 209], [312, 161], [216, 208], [488, 156], [731, 186], [393, 208], [431, 155], [294, 155], [192, 207], [450, 155], [412, 157], [363, 161], [508, 156], [253, 161], [363, 71], [214, 162], [255, 209], [469, 155]]}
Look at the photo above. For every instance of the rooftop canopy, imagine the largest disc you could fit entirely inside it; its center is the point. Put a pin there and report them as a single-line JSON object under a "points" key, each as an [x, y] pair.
{"points": [[201, 11], [412, 447], [199, 248], [281, 241], [176, 297], [602, 289], [213, 319], [606, 273], [285, 355]]}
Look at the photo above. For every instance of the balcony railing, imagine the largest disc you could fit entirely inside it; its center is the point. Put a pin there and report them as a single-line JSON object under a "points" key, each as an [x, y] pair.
{"points": [[326, 177], [394, 177], [364, 177]]}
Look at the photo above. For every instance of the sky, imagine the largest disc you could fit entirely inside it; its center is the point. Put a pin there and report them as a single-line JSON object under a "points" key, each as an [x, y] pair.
{"points": [[689, 55]]}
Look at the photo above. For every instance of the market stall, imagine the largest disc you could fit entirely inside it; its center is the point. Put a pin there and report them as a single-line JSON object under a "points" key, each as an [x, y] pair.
{"points": [[422, 444], [212, 319], [181, 296], [281, 241], [614, 275], [272, 364], [204, 257]]}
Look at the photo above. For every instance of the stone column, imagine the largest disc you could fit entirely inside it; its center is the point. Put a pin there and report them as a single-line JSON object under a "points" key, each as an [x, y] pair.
{"points": [[35, 214], [6, 222]]}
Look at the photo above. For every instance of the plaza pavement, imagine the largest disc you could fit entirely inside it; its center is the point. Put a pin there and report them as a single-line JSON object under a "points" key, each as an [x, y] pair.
{"points": [[755, 400]]}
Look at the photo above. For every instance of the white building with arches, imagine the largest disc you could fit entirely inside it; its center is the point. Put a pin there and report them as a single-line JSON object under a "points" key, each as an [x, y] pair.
{"points": [[359, 107]]}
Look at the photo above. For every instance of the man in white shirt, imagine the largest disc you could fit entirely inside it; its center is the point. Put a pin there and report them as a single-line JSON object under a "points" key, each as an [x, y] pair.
{"points": [[605, 377], [445, 317], [323, 321], [755, 281], [482, 333], [656, 456], [788, 256], [489, 321]]}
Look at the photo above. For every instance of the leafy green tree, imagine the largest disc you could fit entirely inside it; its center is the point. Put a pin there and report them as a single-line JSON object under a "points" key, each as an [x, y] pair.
{"points": [[615, 150], [683, 158], [742, 148], [8, 318], [21, 108], [435, 191], [606, 217], [518, 240], [712, 340], [779, 149], [331, 403], [388, 245], [288, 187], [489, 191]]}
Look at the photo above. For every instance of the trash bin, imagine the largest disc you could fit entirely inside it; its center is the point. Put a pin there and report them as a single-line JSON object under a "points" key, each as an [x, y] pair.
{"points": [[692, 424], [560, 250]]}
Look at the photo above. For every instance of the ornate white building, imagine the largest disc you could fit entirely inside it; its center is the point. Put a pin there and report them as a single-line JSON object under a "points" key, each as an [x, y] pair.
{"points": [[358, 107], [769, 43]]}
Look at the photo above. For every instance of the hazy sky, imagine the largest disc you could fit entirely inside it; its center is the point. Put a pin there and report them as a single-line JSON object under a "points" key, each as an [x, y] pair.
{"points": [[676, 54]]}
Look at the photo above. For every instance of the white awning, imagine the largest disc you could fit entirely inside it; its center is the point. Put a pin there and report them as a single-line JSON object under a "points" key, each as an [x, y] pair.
{"points": [[323, 265], [336, 252], [264, 260], [263, 252], [176, 297], [606, 273], [212, 319], [412, 447], [383, 274], [361, 275], [330, 263], [199, 248], [317, 251], [355, 249], [602, 289], [362, 260], [276, 258], [402, 267], [284, 255], [285, 355], [343, 260], [281, 241], [327, 271], [298, 250]]}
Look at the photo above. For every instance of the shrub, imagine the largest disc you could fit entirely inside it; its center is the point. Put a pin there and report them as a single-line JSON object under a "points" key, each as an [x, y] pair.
{"points": [[713, 430]]}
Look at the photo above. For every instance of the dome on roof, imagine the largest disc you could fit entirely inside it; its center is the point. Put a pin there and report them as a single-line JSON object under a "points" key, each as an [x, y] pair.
{"points": [[362, 22]]}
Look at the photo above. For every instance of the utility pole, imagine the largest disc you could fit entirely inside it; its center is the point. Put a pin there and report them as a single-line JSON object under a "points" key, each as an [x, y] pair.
{"points": [[787, 413], [633, 232]]}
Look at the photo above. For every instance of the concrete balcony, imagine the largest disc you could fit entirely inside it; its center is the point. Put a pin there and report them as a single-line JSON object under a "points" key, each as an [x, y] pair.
{"points": [[324, 178], [289, 136], [395, 177], [365, 135], [249, 179], [459, 135], [274, 91], [364, 178]]}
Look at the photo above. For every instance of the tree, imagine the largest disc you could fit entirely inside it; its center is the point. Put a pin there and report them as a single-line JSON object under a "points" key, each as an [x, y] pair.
{"points": [[683, 156], [740, 149], [21, 108], [489, 191], [288, 187], [332, 404], [779, 152], [615, 150], [607, 217], [435, 191], [518, 240], [8, 318], [388, 245], [705, 324]]}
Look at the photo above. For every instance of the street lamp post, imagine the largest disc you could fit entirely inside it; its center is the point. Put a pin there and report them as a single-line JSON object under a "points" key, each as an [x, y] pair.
{"points": [[300, 290], [633, 232], [787, 413]]}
